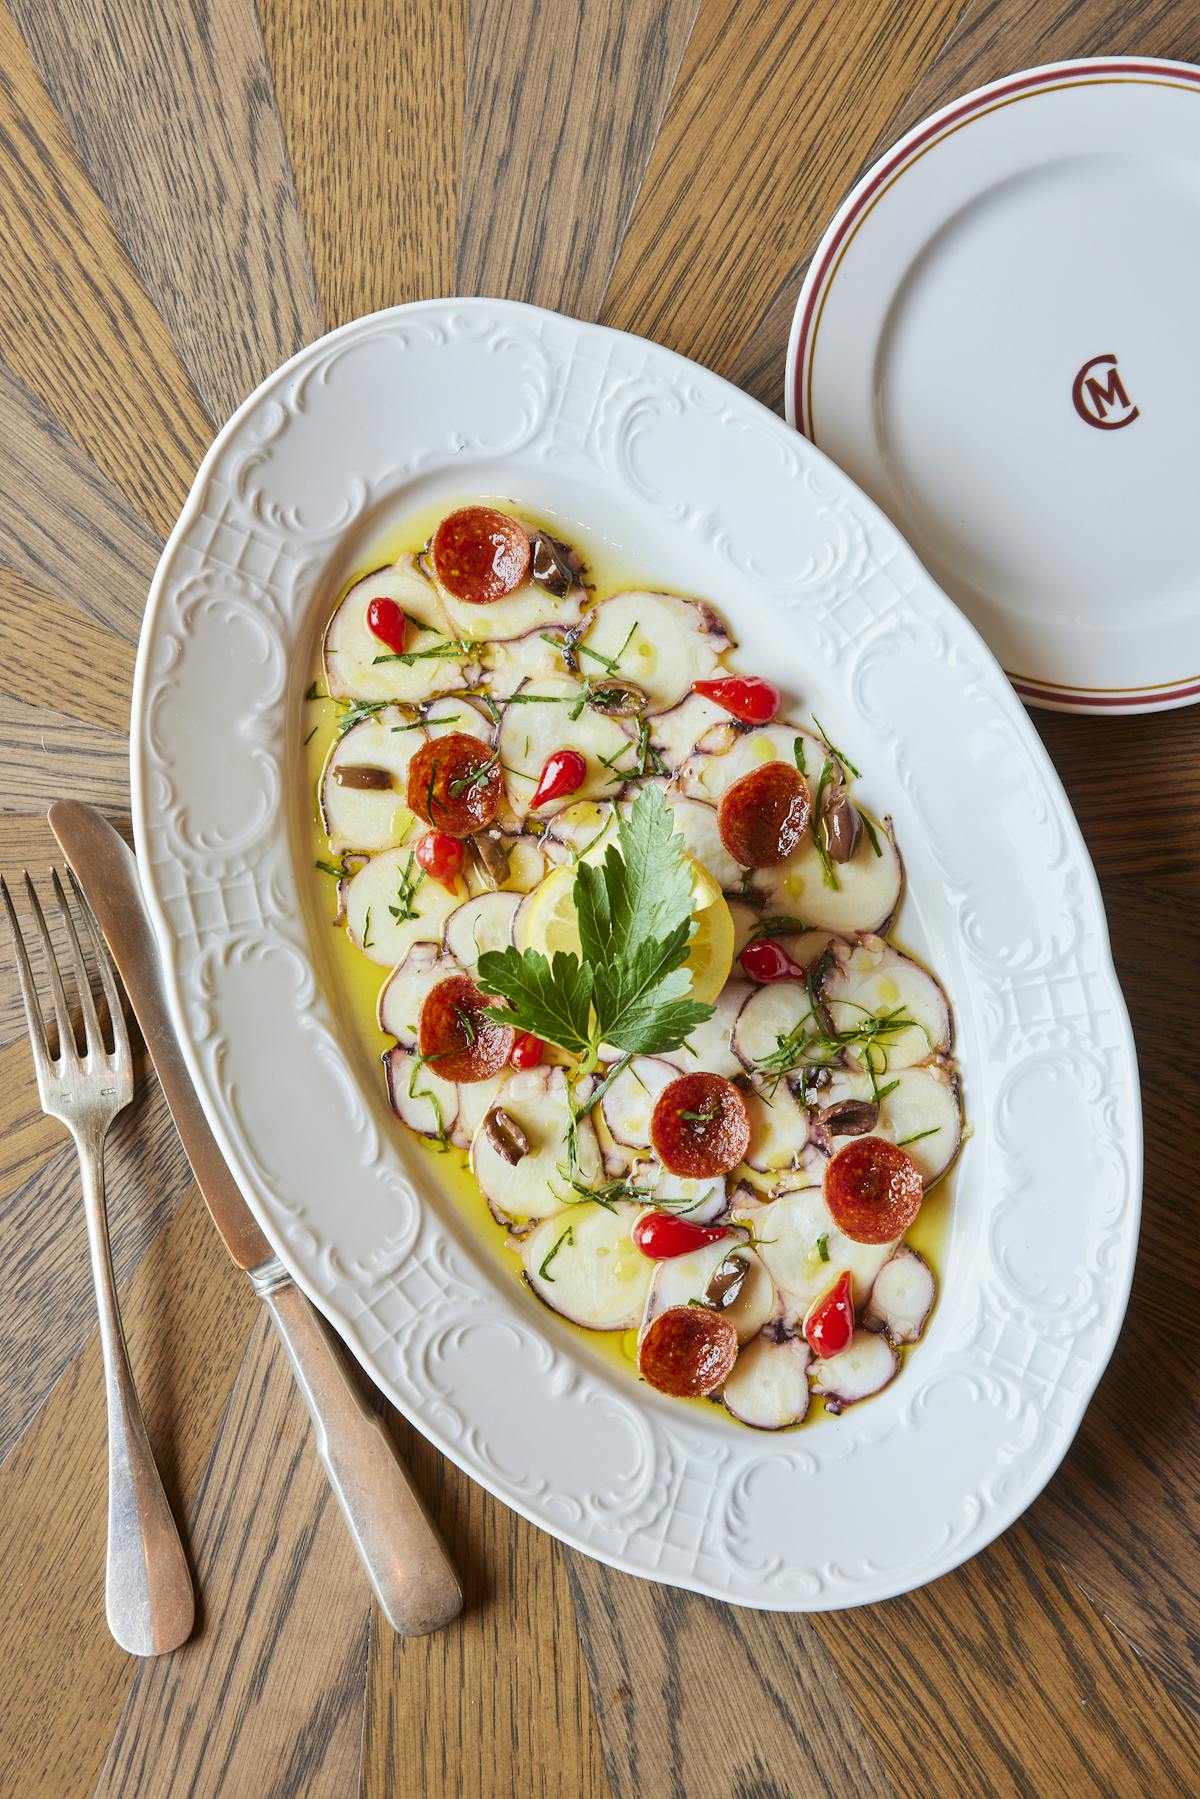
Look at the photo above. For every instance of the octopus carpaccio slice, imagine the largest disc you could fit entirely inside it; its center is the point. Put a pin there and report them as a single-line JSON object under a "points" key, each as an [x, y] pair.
{"points": [[864, 899], [629, 1099], [684, 1280], [700, 1201], [710, 1045], [804, 1250], [390, 906], [407, 987], [864, 1368], [777, 1029], [870, 979], [538, 721], [535, 1186], [779, 1131], [518, 614], [419, 1096], [582, 1262], [902, 1297], [377, 750], [768, 1388], [536, 656], [353, 669], [727, 751], [919, 1108], [482, 923], [660, 642], [675, 733]]}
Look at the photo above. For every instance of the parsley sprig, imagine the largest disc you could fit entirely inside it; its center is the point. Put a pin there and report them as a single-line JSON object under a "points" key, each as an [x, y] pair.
{"points": [[629, 988]]}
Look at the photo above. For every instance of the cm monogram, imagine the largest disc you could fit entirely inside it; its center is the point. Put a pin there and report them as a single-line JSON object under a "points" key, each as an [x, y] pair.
{"points": [[1099, 397]]}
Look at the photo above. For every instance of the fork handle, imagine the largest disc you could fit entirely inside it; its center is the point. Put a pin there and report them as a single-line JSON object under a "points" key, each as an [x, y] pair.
{"points": [[148, 1587], [405, 1561]]}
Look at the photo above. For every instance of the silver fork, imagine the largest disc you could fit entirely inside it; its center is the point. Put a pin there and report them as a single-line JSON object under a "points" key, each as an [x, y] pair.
{"points": [[148, 1588]]}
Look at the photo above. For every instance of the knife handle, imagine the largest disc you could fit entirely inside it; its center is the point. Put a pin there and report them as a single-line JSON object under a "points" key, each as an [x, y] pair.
{"points": [[397, 1542]]}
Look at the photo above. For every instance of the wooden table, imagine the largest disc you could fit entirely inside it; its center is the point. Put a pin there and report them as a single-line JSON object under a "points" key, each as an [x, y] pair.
{"points": [[188, 193]]}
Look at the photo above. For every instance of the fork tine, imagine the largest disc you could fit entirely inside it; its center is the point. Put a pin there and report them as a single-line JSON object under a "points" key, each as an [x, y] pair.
{"points": [[33, 1010], [108, 973], [68, 1050], [91, 1019]]}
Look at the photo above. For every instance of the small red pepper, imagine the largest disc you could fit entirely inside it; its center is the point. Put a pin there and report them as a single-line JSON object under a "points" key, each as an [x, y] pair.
{"points": [[767, 960], [386, 621], [527, 1051], [747, 697], [829, 1326], [562, 773], [660, 1235], [440, 855]]}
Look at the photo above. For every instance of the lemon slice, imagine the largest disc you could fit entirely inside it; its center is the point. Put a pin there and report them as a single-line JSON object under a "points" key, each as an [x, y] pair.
{"points": [[548, 923]]}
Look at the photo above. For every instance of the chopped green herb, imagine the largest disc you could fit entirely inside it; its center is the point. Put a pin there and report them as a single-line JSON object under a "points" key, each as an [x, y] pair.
{"points": [[367, 930], [841, 755], [311, 735], [704, 1115], [314, 693], [327, 868], [869, 828], [354, 711], [406, 892], [567, 1237], [777, 925], [798, 752], [476, 778], [818, 828], [917, 1136], [445, 652], [823, 1246], [610, 664]]}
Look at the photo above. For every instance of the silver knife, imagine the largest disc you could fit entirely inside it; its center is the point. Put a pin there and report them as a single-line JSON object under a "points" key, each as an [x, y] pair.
{"points": [[405, 1560]]}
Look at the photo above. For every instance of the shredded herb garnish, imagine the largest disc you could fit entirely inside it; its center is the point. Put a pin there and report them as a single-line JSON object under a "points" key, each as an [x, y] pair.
{"points": [[567, 1237], [833, 749], [310, 736], [777, 924], [314, 693], [823, 1246], [704, 1115], [367, 930], [406, 892], [869, 828], [476, 778], [798, 752], [327, 868], [818, 829], [354, 711], [917, 1136], [443, 652]]}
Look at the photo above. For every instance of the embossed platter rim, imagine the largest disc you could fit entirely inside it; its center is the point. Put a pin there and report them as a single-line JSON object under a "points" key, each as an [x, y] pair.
{"points": [[686, 478]]}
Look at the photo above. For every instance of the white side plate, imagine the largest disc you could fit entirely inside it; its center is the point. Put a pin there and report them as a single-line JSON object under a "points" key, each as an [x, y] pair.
{"points": [[996, 340], [693, 483]]}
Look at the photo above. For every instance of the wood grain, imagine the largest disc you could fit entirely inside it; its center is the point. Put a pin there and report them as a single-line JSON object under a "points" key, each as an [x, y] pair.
{"points": [[1000, 1679], [698, 1700], [76, 325], [171, 110], [282, 1652], [377, 161], [498, 1703], [186, 197], [726, 200], [62, 524], [65, 1680], [545, 192], [89, 675]]}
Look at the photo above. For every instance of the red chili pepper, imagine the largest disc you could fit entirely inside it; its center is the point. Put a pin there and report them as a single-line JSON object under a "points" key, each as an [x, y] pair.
{"points": [[829, 1327], [562, 773], [387, 622], [748, 697], [660, 1235], [769, 961], [527, 1051], [440, 855]]}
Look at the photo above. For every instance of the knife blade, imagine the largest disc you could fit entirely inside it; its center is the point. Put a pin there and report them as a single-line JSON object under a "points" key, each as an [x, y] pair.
{"points": [[403, 1556]]}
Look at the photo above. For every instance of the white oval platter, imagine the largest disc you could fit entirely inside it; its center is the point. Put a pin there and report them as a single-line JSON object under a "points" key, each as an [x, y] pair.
{"points": [[678, 475]]}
